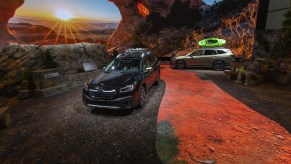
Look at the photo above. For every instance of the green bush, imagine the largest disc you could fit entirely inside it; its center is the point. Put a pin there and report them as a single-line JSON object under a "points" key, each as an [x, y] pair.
{"points": [[48, 61], [226, 6], [282, 49]]}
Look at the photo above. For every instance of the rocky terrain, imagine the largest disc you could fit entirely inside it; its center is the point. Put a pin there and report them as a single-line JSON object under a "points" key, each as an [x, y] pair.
{"points": [[168, 23], [160, 25], [17, 60], [27, 33], [162, 31], [123, 36], [131, 19], [35, 34]]}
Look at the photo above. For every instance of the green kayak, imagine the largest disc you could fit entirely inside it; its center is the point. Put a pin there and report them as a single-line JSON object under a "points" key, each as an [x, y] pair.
{"points": [[212, 42]]}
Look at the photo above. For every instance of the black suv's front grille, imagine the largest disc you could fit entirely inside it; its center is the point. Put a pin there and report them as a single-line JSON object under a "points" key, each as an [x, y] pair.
{"points": [[102, 94]]}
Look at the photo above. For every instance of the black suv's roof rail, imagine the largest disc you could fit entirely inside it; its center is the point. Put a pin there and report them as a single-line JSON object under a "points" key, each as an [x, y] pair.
{"points": [[134, 53]]}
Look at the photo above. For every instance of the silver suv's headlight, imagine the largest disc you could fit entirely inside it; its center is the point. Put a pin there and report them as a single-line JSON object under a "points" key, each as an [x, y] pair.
{"points": [[128, 88]]}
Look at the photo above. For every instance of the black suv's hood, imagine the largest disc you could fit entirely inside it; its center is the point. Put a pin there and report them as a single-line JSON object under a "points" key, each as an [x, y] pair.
{"points": [[115, 78]]}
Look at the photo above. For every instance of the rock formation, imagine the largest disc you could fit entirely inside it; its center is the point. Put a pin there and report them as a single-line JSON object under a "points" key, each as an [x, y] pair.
{"points": [[131, 18], [121, 38], [7, 8], [17, 59]]}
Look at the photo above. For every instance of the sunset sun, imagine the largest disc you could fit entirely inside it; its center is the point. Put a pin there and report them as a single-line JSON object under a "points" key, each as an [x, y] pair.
{"points": [[63, 14]]}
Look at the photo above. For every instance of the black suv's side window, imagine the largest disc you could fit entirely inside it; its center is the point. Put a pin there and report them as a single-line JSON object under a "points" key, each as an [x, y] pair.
{"points": [[146, 63], [210, 52], [152, 60]]}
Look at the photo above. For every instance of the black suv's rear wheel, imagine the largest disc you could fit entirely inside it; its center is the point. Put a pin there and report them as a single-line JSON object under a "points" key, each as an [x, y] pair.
{"points": [[180, 64], [218, 65], [142, 96]]}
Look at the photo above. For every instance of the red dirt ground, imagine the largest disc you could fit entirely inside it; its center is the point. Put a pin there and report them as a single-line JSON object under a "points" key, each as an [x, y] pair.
{"points": [[211, 124]]}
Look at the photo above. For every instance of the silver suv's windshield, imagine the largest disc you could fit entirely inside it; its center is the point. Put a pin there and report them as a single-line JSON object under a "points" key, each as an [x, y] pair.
{"points": [[124, 65]]}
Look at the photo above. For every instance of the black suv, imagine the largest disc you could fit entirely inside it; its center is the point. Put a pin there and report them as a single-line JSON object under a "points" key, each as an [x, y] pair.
{"points": [[124, 82]]}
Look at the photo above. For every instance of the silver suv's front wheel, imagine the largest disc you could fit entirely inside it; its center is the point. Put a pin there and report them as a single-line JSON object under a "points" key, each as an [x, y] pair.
{"points": [[180, 65], [218, 65]]}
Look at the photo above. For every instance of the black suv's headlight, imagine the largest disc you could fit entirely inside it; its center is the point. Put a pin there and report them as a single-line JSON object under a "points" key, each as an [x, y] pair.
{"points": [[86, 86], [128, 88]]}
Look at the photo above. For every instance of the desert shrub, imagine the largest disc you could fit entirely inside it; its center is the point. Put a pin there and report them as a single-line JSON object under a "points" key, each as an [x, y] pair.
{"points": [[29, 78], [260, 37], [240, 38], [226, 6], [48, 61], [282, 49], [191, 41]]}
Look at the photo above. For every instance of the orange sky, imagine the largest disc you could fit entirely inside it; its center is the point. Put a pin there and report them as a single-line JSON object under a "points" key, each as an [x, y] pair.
{"points": [[87, 9]]}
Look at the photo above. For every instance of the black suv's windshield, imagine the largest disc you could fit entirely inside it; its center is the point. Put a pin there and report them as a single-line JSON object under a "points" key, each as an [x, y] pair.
{"points": [[124, 65]]}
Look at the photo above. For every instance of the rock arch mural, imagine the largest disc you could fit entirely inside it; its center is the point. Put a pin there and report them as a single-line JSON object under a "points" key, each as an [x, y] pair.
{"points": [[132, 12], [164, 26]]}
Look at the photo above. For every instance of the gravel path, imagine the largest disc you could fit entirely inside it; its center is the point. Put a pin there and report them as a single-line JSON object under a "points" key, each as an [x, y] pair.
{"points": [[267, 99], [62, 130]]}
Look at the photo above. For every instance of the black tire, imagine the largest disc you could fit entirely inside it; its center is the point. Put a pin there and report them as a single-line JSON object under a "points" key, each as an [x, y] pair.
{"points": [[180, 65], [142, 97], [158, 78], [218, 65]]}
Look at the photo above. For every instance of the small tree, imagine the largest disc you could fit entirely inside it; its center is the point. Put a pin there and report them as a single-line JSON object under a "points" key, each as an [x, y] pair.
{"points": [[282, 49], [191, 41], [48, 61]]}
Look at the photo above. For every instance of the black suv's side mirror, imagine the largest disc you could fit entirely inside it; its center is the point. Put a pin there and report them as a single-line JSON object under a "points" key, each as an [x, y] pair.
{"points": [[149, 69]]}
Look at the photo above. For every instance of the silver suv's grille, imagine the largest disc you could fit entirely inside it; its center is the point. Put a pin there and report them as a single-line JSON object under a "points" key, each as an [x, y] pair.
{"points": [[102, 94]]}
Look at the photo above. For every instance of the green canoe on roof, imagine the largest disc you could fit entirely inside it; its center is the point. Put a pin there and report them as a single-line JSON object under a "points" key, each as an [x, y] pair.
{"points": [[212, 42]]}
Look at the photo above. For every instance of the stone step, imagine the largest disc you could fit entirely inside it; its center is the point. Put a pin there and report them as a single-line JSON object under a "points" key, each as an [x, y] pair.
{"points": [[23, 94], [48, 92]]}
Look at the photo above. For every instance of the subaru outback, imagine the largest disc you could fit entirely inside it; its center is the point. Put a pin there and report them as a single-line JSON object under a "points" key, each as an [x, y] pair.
{"points": [[217, 58], [124, 83]]}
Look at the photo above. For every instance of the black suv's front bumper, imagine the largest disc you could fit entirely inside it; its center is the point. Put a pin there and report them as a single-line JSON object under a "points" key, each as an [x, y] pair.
{"points": [[118, 103]]}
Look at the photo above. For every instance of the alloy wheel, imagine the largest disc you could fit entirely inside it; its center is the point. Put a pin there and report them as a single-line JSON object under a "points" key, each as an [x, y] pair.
{"points": [[218, 65], [180, 65]]}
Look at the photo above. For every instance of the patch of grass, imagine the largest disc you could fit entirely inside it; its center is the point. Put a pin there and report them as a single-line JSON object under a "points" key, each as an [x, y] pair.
{"points": [[203, 77], [167, 144]]}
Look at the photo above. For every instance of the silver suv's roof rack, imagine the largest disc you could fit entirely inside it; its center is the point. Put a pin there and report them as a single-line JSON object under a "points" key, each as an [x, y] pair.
{"points": [[212, 47]]}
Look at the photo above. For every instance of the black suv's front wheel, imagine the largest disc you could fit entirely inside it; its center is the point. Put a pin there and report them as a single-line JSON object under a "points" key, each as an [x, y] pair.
{"points": [[158, 78], [142, 96]]}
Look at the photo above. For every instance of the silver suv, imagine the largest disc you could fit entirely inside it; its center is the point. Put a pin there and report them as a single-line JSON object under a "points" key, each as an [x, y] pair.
{"points": [[217, 57]]}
